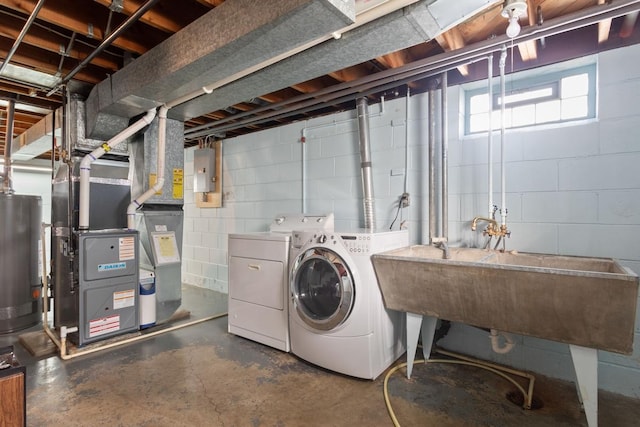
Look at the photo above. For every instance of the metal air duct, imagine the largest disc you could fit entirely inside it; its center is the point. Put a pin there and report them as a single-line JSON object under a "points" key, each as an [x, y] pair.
{"points": [[229, 39]]}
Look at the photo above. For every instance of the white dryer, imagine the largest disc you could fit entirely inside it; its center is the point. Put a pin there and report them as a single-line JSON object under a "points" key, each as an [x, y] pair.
{"points": [[337, 319], [259, 279]]}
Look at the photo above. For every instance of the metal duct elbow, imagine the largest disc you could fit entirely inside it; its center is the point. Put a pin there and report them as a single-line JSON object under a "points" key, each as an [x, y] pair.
{"points": [[365, 164]]}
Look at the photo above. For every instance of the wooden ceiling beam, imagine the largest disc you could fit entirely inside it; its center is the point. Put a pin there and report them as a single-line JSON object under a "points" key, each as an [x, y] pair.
{"points": [[529, 49], [453, 40], [46, 62], [46, 40], [604, 27], [20, 118], [211, 3], [351, 73], [628, 24], [169, 16], [395, 59], [80, 17], [23, 97]]}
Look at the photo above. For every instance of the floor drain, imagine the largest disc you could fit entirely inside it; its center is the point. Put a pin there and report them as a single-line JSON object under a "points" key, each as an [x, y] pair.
{"points": [[517, 398]]}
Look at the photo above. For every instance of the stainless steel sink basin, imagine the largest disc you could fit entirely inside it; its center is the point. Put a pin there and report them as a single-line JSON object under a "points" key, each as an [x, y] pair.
{"points": [[584, 301]]}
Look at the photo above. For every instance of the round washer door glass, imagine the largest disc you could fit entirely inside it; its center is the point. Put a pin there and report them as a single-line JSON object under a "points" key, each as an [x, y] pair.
{"points": [[322, 288]]}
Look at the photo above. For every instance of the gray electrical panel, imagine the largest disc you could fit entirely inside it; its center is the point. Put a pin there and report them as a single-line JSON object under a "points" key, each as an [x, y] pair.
{"points": [[108, 274], [204, 170]]}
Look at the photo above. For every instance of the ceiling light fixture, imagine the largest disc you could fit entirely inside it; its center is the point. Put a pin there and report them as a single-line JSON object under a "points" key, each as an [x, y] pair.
{"points": [[513, 10]]}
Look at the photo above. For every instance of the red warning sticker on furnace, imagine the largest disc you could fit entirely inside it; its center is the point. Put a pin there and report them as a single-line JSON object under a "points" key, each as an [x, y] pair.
{"points": [[104, 325]]}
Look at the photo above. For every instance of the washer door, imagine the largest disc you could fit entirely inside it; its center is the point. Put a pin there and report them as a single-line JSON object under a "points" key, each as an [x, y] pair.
{"points": [[322, 288]]}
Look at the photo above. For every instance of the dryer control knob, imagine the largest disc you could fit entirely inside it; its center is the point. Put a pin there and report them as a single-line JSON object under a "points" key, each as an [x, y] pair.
{"points": [[322, 238]]}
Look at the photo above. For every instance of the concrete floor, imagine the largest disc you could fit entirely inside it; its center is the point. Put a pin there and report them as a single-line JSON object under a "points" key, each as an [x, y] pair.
{"points": [[203, 376]]}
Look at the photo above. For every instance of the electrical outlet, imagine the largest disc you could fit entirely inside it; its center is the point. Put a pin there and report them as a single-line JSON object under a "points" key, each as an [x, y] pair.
{"points": [[404, 200]]}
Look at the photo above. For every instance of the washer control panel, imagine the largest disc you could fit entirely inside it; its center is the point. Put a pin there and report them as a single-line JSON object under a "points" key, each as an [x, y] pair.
{"points": [[358, 243]]}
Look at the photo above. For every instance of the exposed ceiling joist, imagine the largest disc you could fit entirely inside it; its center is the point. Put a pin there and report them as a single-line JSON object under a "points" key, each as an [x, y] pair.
{"points": [[453, 40], [51, 42], [604, 27], [528, 50], [628, 24], [168, 17], [79, 17]]}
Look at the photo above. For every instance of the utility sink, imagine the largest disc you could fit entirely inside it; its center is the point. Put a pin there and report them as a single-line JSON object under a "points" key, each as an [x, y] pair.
{"points": [[589, 302]]}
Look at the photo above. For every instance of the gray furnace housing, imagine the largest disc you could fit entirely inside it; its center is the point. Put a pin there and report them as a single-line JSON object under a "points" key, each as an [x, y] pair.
{"points": [[108, 284], [94, 288]]}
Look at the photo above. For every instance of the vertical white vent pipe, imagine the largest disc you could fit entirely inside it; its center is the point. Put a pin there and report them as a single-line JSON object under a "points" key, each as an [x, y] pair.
{"points": [[490, 134], [85, 164], [365, 164], [7, 183], [503, 178], [162, 138]]}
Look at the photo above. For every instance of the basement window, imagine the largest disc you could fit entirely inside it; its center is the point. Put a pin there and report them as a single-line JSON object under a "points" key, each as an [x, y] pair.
{"points": [[534, 98]]}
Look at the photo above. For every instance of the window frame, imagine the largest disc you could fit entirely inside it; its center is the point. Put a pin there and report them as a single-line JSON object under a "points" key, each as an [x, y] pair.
{"points": [[531, 80]]}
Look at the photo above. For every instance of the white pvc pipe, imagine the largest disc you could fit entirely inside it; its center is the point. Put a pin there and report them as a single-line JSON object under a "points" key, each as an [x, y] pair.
{"points": [[495, 342], [490, 133], [85, 164], [503, 208], [138, 201], [406, 140], [63, 344]]}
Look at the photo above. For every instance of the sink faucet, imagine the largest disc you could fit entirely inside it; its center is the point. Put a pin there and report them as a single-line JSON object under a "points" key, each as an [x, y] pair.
{"points": [[493, 229], [441, 243], [493, 225]]}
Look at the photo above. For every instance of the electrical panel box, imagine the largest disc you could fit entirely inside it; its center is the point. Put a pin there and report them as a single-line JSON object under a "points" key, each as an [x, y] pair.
{"points": [[108, 273], [204, 170]]}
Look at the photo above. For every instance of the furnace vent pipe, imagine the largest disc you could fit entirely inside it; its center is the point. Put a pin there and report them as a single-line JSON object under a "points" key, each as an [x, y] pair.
{"points": [[365, 164], [157, 187], [7, 182], [85, 164]]}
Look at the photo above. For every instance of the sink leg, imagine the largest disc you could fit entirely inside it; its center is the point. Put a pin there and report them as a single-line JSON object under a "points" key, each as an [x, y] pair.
{"points": [[428, 332], [414, 321], [585, 363]]}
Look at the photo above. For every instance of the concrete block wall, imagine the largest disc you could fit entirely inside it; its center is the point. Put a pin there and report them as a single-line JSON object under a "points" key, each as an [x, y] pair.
{"points": [[571, 189], [36, 183]]}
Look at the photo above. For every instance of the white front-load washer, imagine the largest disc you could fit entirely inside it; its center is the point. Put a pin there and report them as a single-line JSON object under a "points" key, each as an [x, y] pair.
{"points": [[337, 318], [259, 279]]}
